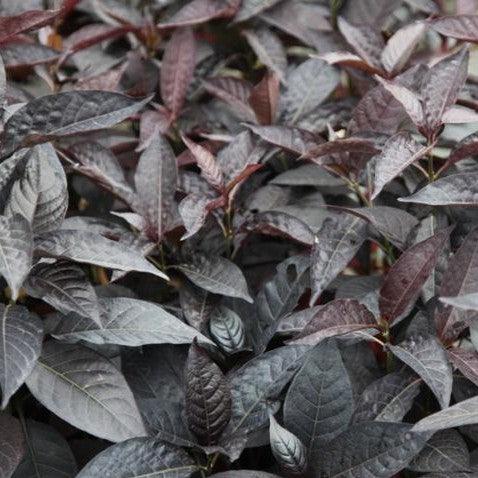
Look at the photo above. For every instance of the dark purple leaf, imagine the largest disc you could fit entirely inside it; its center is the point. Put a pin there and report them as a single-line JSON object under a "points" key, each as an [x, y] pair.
{"points": [[177, 69], [466, 361], [25, 22], [208, 397], [264, 99], [24, 54], [12, 444], [462, 27], [337, 242], [339, 317], [227, 330], [407, 275]]}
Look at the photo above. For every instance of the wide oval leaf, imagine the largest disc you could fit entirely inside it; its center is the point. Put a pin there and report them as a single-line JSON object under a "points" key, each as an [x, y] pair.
{"points": [[87, 390]]}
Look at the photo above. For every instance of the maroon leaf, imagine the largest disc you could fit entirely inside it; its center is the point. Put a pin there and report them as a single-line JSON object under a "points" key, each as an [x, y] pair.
{"points": [[269, 50], [345, 58], [294, 140], [276, 223], [462, 27], [404, 280], [264, 99], [177, 69], [399, 152], [367, 42], [441, 87], [25, 22], [466, 361], [455, 190], [339, 317], [337, 242], [201, 11], [400, 46], [206, 161], [460, 278], [208, 397], [235, 93], [151, 123], [343, 145], [156, 181]]}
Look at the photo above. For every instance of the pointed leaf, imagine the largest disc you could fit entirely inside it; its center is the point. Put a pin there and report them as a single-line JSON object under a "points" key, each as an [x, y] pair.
{"points": [[156, 182], [287, 449], [339, 317], [337, 242], [65, 114], [194, 211], [16, 250], [208, 397], [462, 27], [454, 190], [177, 69], [407, 275], [129, 322], [442, 85], [462, 413], [374, 449], [264, 99], [426, 356], [93, 248], [41, 195], [399, 152], [446, 451], [466, 361], [20, 346], [25, 22], [87, 390], [251, 8], [217, 275], [388, 399], [65, 287], [48, 454], [227, 329], [459, 114], [140, 457], [12, 444]]}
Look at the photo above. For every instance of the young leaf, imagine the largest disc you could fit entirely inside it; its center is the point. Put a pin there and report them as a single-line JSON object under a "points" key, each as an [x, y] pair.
{"points": [[446, 451], [339, 317], [12, 444], [462, 413], [337, 242], [442, 85], [217, 275], [16, 247], [210, 169], [65, 287], [227, 330], [321, 392], [100, 165], [20, 346], [156, 181], [399, 152], [86, 390], [374, 448], [93, 248], [208, 397], [459, 279], [455, 190], [268, 49], [287, 449], [64, 114], [140, 457], [194, 209], [41, 195], [177, 69], [130, 322], [407, 275], [427, 357], [47, 455], [388, 399]]}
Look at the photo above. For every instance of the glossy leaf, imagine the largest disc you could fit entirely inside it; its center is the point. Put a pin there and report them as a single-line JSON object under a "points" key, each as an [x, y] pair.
{"points": [[217, 275], [87, 390], [227, 329], [65, 114], [408, 274], [321, 392], [208, 397], [427, 357], [287, 448]]}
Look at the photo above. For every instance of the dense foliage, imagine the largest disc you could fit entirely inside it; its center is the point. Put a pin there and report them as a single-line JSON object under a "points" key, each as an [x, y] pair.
{"points": [[238, 238]]}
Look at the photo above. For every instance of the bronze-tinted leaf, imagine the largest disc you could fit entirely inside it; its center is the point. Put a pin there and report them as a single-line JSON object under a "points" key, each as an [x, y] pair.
{"points": [[264, 99], [208, 398], [407, 275]]}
